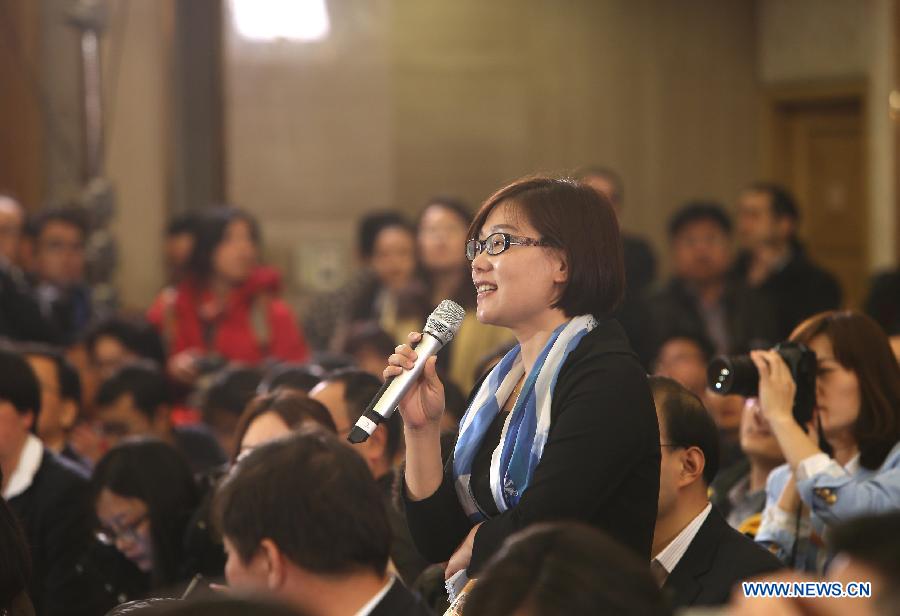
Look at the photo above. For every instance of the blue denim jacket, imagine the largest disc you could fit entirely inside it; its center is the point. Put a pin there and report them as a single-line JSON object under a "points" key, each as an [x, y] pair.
{"points": [[833, 494]]}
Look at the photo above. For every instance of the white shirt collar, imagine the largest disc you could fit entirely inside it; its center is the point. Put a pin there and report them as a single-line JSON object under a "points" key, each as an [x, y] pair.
{"points": [[374, 601], [26, 469], [673, 552]]}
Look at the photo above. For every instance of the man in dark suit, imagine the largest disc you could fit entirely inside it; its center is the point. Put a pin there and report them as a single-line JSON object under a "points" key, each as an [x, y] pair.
{"points": [[135, 401], [47, 493], [20, 316], [701, 298], [303, 522], [640, 262], [346, 394], [774, 262], [696, 557]]}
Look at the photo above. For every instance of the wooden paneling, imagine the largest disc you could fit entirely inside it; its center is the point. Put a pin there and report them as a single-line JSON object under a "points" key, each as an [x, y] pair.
{"points": [[816, 146], [20, 116]]}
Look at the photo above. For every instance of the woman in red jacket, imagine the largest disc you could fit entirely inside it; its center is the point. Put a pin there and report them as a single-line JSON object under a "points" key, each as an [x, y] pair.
{"points": [[228, 308]]}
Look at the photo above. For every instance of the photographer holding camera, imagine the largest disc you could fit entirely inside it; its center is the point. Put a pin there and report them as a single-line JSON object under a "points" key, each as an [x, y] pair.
{"points": [[856, 414], [847, 403]]}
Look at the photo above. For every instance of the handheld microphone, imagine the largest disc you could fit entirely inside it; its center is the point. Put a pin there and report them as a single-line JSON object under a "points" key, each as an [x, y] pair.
{"points": [[440, 328]]}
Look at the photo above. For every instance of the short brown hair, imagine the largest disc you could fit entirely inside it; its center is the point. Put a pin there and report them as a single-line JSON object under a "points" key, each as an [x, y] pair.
{"points": [[292, 407], [582, 223], [862, 346]]}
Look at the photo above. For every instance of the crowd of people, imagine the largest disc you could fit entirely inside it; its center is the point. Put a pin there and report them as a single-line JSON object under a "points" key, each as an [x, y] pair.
{"points": [[563, 455]]}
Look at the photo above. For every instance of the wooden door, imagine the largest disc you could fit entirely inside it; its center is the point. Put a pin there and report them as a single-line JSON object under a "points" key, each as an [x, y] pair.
{"points": [[817, 149]]}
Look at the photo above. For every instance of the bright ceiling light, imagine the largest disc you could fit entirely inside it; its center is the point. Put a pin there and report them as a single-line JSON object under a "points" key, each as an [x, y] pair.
{"points": [[268, 20]]}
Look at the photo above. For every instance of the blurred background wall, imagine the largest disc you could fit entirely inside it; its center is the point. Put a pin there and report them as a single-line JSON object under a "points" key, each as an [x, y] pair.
{"points": [[404, 99]]}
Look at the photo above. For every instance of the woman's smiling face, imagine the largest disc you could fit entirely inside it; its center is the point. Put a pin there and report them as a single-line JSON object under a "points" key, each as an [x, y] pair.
{"points": [[518, 286]]}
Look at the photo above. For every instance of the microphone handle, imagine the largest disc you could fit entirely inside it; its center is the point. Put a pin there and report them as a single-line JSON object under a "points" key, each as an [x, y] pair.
{"points": [[391, 393]]}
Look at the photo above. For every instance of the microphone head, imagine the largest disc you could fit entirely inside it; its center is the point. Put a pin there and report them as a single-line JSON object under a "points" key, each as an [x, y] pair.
{"points": [[444, 322]]}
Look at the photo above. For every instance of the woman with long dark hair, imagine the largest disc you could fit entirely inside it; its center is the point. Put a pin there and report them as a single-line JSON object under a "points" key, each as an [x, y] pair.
{"points": [[857, 412], [564, 426], [145, 498], [441, 229], [228, 307]]}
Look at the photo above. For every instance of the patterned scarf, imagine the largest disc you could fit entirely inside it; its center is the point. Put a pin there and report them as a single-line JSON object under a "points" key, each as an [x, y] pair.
{"points": [[525, 430]]}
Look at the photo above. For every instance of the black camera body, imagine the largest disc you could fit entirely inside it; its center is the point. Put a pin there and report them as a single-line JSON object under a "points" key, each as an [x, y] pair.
{"points": [[738, 375]]}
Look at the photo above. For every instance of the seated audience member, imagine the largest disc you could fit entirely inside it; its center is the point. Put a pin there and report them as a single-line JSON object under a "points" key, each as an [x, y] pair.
{"points": [[369, 346], [857, 410], [27, 242], [20, 316], [393, 261], [640, 262], [739, 492], [135, 402], [684, 357], [145, 497], [116, 341], [299, 378], [60, 400], [12, 221], [773, 259], [47, 494], [268, 503], [276, 415], [696, 557], [865, 550], [62, 293], [386, 251], [224, 401], [564, 568], [178, 245], [883, 305], [15, 565], [347, 393], [228, 308], [700, 298], [446, 273]]}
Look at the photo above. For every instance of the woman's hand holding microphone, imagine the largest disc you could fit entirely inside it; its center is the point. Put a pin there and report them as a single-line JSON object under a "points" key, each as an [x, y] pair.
{"points": [[423, 405], [421, 409]]}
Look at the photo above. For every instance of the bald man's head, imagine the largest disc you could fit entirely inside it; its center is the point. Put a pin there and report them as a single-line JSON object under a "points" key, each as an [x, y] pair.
{"points": [[12, 219]]}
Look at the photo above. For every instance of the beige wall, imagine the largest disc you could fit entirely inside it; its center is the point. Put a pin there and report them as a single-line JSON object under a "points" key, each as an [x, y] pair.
{"points": [[411, 98], [809, 41], [137, 147]]}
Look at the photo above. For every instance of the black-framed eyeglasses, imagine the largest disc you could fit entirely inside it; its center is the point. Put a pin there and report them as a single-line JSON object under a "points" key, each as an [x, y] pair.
{"points": [[108, 536], [496, 243]]}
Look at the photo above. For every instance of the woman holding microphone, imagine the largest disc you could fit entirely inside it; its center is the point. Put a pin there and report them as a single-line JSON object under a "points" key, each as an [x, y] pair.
{"points": [[564, 426]]}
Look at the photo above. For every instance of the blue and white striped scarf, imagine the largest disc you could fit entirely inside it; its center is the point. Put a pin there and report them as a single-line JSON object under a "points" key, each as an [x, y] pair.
{"points": [[525, 430]]}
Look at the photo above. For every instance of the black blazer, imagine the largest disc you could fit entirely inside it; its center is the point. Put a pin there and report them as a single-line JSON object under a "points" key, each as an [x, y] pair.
{"points": [[600, 464], [56, 516], [718, 558], [400, 602], [798, 290], [749, 315]]}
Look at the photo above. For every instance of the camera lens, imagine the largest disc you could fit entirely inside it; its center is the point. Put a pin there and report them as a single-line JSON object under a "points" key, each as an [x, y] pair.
{"points": [[733, 375]]}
